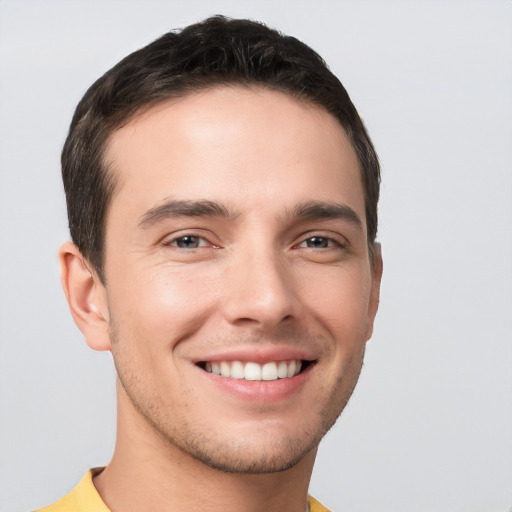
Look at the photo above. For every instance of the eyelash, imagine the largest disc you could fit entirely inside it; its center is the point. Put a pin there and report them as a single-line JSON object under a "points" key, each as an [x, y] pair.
{"points": [[174, 242], [332, 242], [203, 242]]}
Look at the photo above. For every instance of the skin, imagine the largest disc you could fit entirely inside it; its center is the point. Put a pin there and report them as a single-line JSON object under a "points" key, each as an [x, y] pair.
{"points": [[265, 274]]}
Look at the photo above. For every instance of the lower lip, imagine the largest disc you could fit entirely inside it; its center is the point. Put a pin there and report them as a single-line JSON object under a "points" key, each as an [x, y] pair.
{"points": [[261, 391]]}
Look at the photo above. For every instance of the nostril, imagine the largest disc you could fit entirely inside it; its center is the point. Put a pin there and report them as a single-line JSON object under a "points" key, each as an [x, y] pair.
{"points": [[246, 321]]}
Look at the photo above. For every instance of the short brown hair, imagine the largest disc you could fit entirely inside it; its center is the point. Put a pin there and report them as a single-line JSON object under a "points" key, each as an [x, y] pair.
{"points": [[216, 51]]}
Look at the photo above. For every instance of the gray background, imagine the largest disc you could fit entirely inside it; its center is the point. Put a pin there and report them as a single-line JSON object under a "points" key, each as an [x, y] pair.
{"points": [[430, 425]]}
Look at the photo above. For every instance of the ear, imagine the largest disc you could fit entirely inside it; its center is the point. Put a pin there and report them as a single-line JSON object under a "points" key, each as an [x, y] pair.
{"points": [[86, 296], [377, 268]]}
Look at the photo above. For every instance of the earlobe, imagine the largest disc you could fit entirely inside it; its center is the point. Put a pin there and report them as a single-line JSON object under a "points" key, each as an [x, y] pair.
{"points": [[86, 297], [377, 268]]}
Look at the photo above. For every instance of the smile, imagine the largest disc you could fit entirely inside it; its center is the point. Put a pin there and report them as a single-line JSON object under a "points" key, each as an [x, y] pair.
{"points": [[254, 371]]}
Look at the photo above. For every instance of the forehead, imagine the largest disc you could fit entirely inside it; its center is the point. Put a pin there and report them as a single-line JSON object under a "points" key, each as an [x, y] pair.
{"points": [[250, 146]]}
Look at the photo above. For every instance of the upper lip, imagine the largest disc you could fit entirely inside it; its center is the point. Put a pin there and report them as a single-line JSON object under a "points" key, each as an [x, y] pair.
{"points": [[258, 354]]}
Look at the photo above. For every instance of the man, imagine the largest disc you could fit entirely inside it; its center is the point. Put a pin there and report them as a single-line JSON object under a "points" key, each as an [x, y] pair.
{"points": [[222, 200]]}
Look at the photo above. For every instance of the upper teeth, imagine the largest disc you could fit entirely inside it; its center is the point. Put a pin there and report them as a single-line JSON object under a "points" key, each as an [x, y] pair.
{"points": [[255, 371]]}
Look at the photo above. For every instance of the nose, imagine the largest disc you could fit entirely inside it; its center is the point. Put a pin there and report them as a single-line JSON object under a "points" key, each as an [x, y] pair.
{"points": [[260, 290]]}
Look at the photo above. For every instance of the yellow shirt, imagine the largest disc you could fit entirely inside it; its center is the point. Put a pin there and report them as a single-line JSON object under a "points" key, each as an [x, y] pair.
{"points": [[85, 498]]}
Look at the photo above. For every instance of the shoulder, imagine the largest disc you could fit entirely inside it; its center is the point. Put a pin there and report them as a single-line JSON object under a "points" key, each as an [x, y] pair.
{"points": [[83, 498], [316, 506]]}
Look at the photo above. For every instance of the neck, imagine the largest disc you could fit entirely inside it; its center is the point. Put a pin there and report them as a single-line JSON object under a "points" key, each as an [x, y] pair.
{"points": [[148, 472]]}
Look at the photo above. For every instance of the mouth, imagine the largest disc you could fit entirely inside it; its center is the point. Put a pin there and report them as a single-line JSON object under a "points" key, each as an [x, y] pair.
{"points": [[252, 371]]}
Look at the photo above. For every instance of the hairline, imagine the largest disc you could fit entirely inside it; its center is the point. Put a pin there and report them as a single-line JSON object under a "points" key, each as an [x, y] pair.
{"points": [[112, 174]]}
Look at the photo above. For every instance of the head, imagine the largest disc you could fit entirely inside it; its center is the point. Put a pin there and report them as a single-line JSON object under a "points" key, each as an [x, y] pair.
{"points": [[217, 51], [222, 195]]}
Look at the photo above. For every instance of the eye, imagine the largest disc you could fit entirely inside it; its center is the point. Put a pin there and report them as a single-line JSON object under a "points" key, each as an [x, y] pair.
{"points": [[319, 242], [188, 242]]}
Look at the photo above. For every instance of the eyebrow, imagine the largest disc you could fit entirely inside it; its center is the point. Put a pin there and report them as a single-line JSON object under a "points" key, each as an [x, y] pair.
{"points": [[318, 210], [176, 208], [309, 210]]}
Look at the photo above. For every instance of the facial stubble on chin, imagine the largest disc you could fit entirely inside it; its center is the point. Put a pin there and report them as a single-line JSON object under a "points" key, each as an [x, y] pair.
{"points": [[234, 455]]}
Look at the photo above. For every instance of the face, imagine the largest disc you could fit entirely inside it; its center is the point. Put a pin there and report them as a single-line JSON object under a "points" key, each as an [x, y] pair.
{"points": [[239, 286]]}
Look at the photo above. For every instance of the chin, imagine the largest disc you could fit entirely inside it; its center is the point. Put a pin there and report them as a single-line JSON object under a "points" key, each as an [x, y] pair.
{"points": [[267, 448], [250, 458]]}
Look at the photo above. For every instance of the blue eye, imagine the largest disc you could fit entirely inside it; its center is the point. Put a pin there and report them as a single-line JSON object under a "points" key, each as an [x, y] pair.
{"points": [[188, 242], [318, 242]]}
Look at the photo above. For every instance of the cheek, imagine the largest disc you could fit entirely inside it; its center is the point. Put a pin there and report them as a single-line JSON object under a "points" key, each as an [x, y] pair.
{"points": [[340, 302], [160, 304]]}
